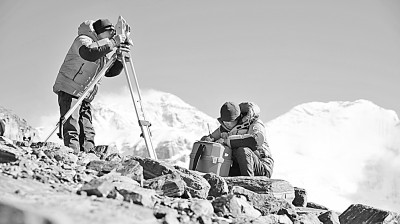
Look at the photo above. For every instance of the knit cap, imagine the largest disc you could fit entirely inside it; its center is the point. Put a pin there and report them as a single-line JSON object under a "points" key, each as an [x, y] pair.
{"points": [[229, 111], [102, 25]]}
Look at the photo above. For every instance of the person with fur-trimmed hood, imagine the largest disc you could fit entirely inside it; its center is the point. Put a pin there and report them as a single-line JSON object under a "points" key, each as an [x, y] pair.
{"points": [[85, 58], [243, 131]]}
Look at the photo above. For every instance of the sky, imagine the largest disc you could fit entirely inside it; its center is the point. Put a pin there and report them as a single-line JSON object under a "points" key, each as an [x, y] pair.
{"points": [[278, 54]]}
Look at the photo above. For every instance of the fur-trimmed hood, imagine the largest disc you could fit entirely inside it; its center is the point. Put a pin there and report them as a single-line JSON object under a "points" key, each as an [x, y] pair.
{"points": [[86, 28]]}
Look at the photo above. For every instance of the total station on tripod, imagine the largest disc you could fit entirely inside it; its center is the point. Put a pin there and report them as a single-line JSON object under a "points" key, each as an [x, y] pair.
{"points": [[123, 28]]}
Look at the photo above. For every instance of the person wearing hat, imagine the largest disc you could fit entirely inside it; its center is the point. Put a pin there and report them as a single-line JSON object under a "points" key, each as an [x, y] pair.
{"points": [[86, 56], [243, 131]]}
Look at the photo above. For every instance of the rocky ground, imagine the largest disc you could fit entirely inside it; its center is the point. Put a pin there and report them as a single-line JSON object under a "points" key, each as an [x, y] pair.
{"points": [[48, 183]]}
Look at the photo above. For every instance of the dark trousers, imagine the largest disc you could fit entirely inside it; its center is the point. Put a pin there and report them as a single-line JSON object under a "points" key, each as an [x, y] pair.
{"points": [[2, 127], [78, 131], [247, 163]]}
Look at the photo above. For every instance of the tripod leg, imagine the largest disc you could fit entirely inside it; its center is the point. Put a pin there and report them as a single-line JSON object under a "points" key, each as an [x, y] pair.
{"points": [[144, 125]]}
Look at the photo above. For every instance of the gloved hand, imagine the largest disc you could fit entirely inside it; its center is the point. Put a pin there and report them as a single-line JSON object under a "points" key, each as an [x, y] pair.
{"points": [[119, 39], [207, 138], [125, 47], [220, 140], [224, 135]]}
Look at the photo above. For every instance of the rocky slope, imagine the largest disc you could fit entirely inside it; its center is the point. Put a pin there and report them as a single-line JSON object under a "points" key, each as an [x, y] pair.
{"points": [[48, 183]]}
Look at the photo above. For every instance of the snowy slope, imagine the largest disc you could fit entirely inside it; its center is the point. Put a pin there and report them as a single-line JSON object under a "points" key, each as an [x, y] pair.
{"points": [[341, 152], [175, 124]]}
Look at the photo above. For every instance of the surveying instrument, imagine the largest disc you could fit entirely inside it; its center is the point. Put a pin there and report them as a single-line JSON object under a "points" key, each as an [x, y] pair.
{"points": [[121, 27]]}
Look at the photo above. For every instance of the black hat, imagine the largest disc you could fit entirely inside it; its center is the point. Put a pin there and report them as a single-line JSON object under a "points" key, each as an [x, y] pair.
{"points": [[102, 25], [229, 111]]}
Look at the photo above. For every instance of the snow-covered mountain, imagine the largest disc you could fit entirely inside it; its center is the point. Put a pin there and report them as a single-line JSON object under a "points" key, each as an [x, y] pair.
{"points": [[15, 127], [175, 125], [341, 152]]}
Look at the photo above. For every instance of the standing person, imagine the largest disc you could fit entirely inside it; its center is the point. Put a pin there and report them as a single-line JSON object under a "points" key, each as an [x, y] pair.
{"points": [[85, 58], [243, 131]]}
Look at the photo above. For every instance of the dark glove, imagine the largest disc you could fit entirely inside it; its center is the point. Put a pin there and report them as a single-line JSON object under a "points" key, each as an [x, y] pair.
{"points": [[125, 47]]}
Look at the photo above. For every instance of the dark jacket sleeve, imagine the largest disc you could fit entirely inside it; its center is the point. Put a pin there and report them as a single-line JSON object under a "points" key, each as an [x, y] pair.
{"points": [[115, 69], [93, 54]]}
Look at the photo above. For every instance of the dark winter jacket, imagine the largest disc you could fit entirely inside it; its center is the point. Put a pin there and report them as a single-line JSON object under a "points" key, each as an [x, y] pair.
{"points": [[85, 58]]}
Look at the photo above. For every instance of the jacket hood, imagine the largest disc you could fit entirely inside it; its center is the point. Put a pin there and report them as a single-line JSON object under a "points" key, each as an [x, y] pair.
{"points": [[86, 28]]}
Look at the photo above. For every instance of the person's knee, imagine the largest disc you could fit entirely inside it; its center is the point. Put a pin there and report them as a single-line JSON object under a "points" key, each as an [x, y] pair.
{"points": [[242, 152]]}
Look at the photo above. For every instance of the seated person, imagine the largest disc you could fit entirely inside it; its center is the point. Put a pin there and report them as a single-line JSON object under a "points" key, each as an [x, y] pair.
{"points": [[243, 131]]}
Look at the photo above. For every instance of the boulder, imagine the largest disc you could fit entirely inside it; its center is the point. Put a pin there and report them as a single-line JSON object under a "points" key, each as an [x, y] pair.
{"points": [[7, 156], [130, 168], [217, 183], [97, 187], [308, 219], [196, 185], [272, 219], [103, 167], [201, 207], [166, 214], [85, 158], [152, 168], [264, 185], [307, 210], [235, 206], [103, 151], [106, 185], [300, 197], [170, 185], [141, 196], [316, 206], [329, 217], [358, 213], [266, 203]]}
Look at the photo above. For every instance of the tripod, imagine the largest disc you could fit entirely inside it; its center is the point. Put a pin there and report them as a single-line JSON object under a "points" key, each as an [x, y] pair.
{"points": [[143, 123]]}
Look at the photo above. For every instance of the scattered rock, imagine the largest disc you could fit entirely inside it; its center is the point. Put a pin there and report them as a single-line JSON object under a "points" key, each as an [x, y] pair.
{"points": [[316, 206], [308, 219], [217, 183], [358, 213], [103, 151], [140, 196], [170, 185], [196, 185], [329, 217], [152, 168], [300, 197], [264, 185], [202, 207], [272, 218], [130, 168], [7, 157], [235, 206], [266, 203]]}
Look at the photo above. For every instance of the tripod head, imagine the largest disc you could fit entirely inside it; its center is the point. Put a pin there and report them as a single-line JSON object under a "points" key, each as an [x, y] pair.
{"points": [[122, 27]]}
